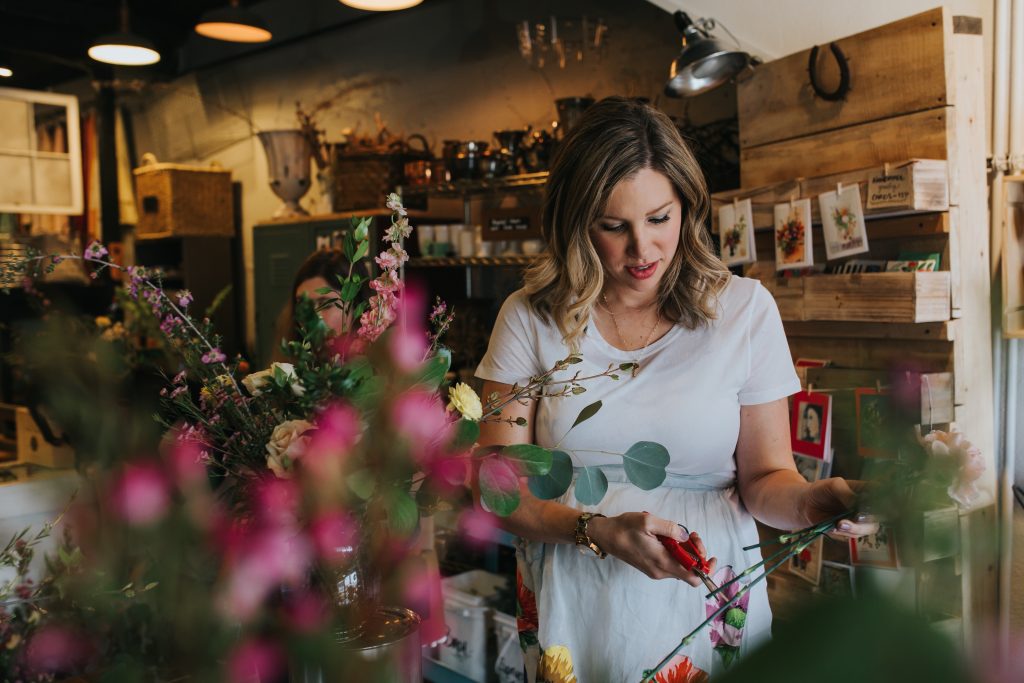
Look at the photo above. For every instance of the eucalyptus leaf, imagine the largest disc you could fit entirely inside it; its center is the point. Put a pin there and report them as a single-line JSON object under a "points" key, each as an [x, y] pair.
{"points": [[499, 486], [403, 515], [587, 413], [556, 481], [532, 460], [645, 463], [362, 483], [591, 485]]}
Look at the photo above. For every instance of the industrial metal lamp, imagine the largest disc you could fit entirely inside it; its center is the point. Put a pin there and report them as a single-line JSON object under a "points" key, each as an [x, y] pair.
{"points": [[5, 72], [703, 63], [124, 48], [381, 5], [233, 24]]}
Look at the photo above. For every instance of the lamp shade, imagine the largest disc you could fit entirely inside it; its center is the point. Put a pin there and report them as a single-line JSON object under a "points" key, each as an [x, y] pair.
{"points": [[233, 24], [5, 72], [703, 64], [124, 49], [381, 5]]}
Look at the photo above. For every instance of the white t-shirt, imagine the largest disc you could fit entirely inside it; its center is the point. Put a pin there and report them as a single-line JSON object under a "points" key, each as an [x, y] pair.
{"points": [[687, 395]]}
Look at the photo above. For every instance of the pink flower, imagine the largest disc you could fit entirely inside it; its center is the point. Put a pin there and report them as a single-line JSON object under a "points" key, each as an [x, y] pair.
{"points": [[386, 260], [727, 628], [477, 527], [95, 251], [214, 355], [141, 494], [56, 648], [184, 298], [337, 431], [261, 560], [255, 661], [334, 535], [306, 611], [277, 501], [186, 459], [420, 416]]}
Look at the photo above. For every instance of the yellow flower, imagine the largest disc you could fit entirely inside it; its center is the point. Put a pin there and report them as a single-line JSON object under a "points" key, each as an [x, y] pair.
{"points": [[103, 322], [465, 400], [556, 666]]}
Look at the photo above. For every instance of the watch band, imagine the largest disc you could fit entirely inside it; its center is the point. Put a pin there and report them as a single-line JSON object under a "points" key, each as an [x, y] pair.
{"points": [[583, 540]]}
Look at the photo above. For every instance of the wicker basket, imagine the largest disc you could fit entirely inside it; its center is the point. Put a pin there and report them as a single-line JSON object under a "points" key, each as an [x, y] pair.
{"points": [[363, 179], [183, 200]]}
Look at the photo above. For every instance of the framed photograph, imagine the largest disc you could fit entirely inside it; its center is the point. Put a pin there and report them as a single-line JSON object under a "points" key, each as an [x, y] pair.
{"points": [[811, 424], [837, 580], [807, 563], [876, 550], [793, 248], [872, 422], [842, 222], [736, 232], [802, 364], [812, 469]]}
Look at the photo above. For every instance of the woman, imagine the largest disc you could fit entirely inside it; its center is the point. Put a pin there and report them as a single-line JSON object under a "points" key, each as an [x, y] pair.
{"points": [[810, 424], [630, 275], [320, 270]]}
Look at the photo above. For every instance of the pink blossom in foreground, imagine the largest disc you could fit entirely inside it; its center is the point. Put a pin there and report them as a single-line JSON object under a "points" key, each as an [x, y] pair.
{"points": [[255, 661], [56, 648], [334, 535], [141, 494], [337, 430], [277, 501], [478, 527], [306, 610], [420, 416]]}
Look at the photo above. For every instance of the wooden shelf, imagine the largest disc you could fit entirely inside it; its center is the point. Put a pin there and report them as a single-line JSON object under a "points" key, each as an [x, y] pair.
{"points": [[517, 260], [461, 188], [935, 331]]}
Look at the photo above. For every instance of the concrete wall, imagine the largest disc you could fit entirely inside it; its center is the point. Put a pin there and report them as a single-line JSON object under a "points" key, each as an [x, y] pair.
{"points": [[447, 69]]}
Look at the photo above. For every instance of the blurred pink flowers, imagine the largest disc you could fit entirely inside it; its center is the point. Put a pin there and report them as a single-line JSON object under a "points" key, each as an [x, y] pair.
{"points": [[140, 495], [255, 661], [967, 458], [56, 648]]}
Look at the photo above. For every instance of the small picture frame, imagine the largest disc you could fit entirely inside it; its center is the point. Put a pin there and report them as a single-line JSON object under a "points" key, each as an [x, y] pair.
{"points": [[842, 222], [793, 245], [807, 563], [875, 550], [736, 232], [873, 413], [837, 580], [812, 469], [811, 421]]}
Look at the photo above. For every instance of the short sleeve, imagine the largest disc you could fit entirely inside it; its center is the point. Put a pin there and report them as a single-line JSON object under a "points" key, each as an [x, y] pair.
{"points": [[512, 352], [771, 373]]}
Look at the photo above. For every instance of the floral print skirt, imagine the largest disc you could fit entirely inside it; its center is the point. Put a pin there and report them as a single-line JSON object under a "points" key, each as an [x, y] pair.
{"points": [[586, 620]]}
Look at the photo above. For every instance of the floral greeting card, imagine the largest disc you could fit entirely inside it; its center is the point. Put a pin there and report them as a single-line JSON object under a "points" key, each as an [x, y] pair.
{"points": [[793, 247], [842, 222], [736, 231]]}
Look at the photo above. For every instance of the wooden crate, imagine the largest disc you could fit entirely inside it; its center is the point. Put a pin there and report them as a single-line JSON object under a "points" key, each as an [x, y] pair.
{"points": [[896, 69], [184, 201], [878, 297]]}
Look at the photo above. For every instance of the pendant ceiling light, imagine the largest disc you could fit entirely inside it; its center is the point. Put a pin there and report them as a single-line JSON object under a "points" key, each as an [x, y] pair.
{"points": [[381, 5], [124, 48], [5, 72], [234, 24], [704, 62]]}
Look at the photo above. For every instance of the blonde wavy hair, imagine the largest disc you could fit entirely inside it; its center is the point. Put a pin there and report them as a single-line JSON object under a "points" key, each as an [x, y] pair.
{"points": [[615, 139]]}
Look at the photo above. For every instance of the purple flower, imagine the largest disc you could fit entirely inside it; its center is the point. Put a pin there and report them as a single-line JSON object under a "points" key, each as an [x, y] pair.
{"points": [[727, 628], [95, 251], [214, 355], [184, 298]]}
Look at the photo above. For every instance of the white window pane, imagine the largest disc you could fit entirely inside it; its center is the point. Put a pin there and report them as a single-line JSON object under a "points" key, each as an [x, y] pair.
{"points": [[15, 180], [53, 182], [15, 133]]}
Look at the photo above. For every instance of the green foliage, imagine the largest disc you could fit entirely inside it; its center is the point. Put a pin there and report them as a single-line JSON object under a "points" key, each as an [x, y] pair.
{"points": [[556, 481], [645, 464], [499, 485], [587, 413], [591, 485], [531, 459]]}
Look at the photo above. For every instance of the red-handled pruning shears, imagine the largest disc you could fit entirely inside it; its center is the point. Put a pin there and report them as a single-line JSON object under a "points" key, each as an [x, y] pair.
{"points": [[691, 559]]}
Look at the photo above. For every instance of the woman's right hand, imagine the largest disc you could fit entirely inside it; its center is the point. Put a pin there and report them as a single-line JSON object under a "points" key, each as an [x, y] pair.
{"points": [[632, 538]]}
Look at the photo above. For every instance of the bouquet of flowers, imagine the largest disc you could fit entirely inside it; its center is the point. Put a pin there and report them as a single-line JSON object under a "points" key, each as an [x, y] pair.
{"points": [[790, 236], [273, 511], [845, 222], [733, 236]]}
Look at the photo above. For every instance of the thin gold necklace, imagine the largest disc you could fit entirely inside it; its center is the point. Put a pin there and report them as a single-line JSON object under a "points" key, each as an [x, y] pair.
{"points": [[622, 340]]}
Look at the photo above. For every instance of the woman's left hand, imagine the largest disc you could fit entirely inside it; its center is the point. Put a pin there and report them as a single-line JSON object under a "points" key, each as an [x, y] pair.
{"points": [[827, 498]]}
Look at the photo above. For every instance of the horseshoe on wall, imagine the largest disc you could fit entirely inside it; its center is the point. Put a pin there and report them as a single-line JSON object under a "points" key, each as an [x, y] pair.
{"points": [[844, 74]]}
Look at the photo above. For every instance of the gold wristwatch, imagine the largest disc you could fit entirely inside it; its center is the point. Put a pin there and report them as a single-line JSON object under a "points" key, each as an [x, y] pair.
{"points": [[583, 540]]}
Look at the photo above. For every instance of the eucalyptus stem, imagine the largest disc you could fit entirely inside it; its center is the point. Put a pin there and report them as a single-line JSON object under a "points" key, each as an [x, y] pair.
{"points": [[650, 674]]}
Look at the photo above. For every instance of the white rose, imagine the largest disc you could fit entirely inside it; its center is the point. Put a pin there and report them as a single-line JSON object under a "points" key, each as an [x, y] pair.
{"points": [[286, 445], [464, 399], [258, 380]]}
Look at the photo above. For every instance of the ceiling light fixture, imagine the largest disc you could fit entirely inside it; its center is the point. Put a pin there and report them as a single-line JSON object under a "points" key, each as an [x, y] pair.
{"points": [[5, 72], [233, 24], [703, 63], [124, 48], [381, 5]]}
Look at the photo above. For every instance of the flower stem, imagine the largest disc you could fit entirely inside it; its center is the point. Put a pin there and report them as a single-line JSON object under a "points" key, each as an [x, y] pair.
{"points": [[785, 538]]}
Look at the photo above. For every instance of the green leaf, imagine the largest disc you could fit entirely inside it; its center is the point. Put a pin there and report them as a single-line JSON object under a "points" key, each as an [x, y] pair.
{"points": [[587, 413], [362, 483], [499, 486], [362, 250], [434, 370], [362, 228], [591, 485], [645, 463], [531, 459], [403, 515], [349, 291], [466, 433], [325, 290], [556, 481]]}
